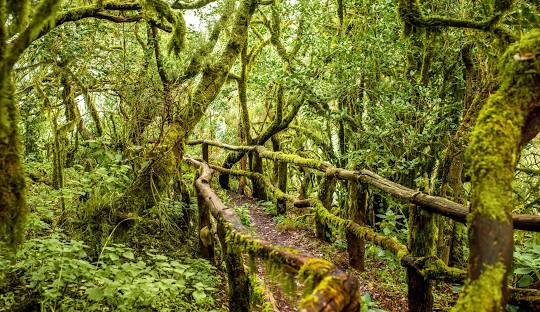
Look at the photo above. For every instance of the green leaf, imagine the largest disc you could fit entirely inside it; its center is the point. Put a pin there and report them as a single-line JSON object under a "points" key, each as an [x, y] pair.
{"points": [[129, 255], [525, 281], [95, 294], [113, 257], [199, 295], [522, 271]]}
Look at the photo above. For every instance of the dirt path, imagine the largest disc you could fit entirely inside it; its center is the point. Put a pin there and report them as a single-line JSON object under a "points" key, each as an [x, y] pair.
{"points": [[266, 228]]}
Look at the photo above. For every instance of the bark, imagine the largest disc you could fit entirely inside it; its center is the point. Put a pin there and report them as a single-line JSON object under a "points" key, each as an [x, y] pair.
{"points": [[257, 167], [421, 244], [358, 214], [494, 149], [13, 209], [326, 195]]}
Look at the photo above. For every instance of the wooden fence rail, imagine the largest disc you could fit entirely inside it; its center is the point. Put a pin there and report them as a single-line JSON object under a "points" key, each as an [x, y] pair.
{"points": [[333, 290], [422, 267], [433, 204]]}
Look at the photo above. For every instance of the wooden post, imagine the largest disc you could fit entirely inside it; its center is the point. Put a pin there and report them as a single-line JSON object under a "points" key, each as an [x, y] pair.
{"points": [[257, 166], [421, 244], [357, 212], [206, 246], [282, 184], [239, 291], [205, 152], [326, 193]]}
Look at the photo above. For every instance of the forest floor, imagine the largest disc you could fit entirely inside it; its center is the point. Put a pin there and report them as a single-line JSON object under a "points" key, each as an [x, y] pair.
{"points": [[383, 284]]}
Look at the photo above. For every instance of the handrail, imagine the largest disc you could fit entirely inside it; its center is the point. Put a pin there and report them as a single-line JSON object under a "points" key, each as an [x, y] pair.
{"points": [[334, 289], [430, 203], [431, 267]]}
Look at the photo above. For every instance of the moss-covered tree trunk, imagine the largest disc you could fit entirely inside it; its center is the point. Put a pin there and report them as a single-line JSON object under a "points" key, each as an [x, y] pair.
{"points": [[13, 18], [451, 242], [495, 147], [13, 208]]}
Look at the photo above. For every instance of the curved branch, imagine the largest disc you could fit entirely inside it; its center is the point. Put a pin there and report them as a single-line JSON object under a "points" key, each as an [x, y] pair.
{"points": [[182, 5]]}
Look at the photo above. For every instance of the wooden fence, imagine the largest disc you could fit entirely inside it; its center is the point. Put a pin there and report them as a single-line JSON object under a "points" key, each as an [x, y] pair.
{"points": [[422, 269]]}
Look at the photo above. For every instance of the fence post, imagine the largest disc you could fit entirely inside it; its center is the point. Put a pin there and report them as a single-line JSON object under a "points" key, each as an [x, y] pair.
{"points": [[357, 212], [205, 152], [282, 184], [326, 193], [421, 244], [206, 245], [239, 290], [256, 165]]}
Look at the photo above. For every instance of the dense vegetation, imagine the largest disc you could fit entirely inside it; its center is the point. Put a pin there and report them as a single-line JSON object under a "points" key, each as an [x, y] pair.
{"points": [[102, 101]]}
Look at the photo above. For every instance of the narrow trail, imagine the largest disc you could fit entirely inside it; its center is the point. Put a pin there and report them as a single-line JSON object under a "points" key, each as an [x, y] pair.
{"points": [[265, 227]]}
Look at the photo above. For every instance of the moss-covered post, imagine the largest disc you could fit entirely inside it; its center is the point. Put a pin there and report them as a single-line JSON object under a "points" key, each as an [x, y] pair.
{"points": [[421, 244], [357, 212], [206, 245], [503, 127], [282, 185], [257, 166], [280, 177], [205, 152], [238, 280], [326, 194]]}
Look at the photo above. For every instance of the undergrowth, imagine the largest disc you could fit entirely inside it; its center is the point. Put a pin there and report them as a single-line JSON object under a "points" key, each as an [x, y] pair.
{"points": [[67, 264]]}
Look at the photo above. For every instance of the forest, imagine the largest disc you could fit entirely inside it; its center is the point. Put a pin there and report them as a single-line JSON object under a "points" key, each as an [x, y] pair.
{"points": [[269, 155]]}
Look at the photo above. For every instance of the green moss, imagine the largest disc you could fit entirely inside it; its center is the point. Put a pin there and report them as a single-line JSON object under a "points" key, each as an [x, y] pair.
{"points": [[435, 268], [312, 271], [20, 10], [483, 294], [495, 141], [290, 158], [258, 294], [13, 209], [178, 38]]}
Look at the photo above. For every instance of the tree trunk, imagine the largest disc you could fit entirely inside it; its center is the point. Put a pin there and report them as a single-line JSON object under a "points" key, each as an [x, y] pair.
{"points": [[13, 210], [495, 147]]}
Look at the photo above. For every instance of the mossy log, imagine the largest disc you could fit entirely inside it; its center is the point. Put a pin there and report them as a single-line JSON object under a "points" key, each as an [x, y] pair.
{"points": [[336, 290], [431, 203]]}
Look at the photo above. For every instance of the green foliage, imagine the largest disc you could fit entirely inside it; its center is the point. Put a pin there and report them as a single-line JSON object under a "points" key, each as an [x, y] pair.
{"points": [[367, 304], [242, 211], [393, 224], [56, 273], [526, 266], [268, 207], [285, 223]]}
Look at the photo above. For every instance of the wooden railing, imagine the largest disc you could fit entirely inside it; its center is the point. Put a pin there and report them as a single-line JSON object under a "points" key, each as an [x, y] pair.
{"points": [[332, 289], [421, 268]]}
